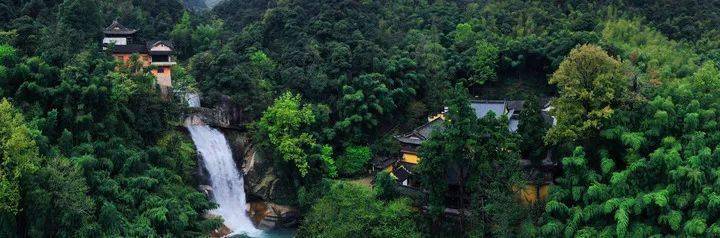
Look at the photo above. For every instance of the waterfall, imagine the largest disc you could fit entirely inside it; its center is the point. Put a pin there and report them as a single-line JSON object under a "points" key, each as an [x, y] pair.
{"points": [[212, 3], [193, 99], [226, 180]]}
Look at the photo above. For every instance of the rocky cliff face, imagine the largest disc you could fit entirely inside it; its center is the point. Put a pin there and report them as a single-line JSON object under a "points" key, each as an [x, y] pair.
{"points": [[262, 180], [266, 189], [223, 114]]}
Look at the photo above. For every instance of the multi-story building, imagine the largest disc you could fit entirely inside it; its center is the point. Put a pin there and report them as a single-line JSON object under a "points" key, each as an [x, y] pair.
{"points": [[156, 54]]}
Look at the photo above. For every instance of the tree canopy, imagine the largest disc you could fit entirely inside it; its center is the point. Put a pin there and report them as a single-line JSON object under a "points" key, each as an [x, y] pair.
{"points": [[479, 159], [591, 85], [90, 148], [351, 210]]}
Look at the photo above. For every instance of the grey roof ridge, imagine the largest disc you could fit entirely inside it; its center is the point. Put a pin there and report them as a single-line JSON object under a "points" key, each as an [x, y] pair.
{"points": [[414, 131]]}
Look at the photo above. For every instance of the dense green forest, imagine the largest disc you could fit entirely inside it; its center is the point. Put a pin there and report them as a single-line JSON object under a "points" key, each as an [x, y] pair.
{"points": [[90, 148]]}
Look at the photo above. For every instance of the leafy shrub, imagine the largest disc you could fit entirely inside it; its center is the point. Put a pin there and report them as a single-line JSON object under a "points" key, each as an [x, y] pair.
{"points": [[351, 210], [385, 185], [354, 160]]}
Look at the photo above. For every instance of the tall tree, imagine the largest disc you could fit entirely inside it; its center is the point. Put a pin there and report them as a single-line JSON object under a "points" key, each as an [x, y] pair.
{"points": [[18, 160], [479, 156], [591, 86], [284, 126], [476, 59], [366, 102], [109, 120], [58, 202], [532, 128]]}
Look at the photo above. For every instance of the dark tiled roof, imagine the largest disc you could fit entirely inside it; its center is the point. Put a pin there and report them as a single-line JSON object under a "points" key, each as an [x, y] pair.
{"points": [[499, 107], [401, 173], [129, 49], [543, 172], [115, 28], [382, 162], [510, 108], [546, 164], [160, 52], [118, 29], [138, 48], [409, 166], [483, 107], [420, 134], [516, 105]]}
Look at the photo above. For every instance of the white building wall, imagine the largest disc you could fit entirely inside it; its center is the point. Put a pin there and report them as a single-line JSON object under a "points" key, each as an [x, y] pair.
{"points": [[116, 40]]}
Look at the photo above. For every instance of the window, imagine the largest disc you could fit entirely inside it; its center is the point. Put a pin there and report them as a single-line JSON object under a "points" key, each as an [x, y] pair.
{"points": [[160, 58], [161, 70]]}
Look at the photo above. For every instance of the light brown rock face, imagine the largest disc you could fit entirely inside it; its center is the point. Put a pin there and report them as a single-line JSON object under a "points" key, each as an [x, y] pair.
{"points": [[268, 216]]}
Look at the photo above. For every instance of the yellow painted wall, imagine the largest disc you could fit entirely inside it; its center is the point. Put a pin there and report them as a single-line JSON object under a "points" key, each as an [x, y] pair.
{"points": [[410, 158], [530, 194], [544, 191]]}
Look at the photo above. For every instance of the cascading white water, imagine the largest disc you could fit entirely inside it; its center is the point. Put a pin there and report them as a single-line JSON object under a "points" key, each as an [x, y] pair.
{"points": [[212, 3], [193, 99], [227, 181]]}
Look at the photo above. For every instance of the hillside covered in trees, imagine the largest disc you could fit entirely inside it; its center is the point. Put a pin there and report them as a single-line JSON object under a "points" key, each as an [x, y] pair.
{"points": [[622, 98]]}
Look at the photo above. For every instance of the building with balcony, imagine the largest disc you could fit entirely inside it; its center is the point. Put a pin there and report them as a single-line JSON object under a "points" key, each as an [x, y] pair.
{"points": [[155, 54]]}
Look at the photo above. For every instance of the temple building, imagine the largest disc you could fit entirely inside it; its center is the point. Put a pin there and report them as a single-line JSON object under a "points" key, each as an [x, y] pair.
{"points": [[156, 54], [402, 168]]}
